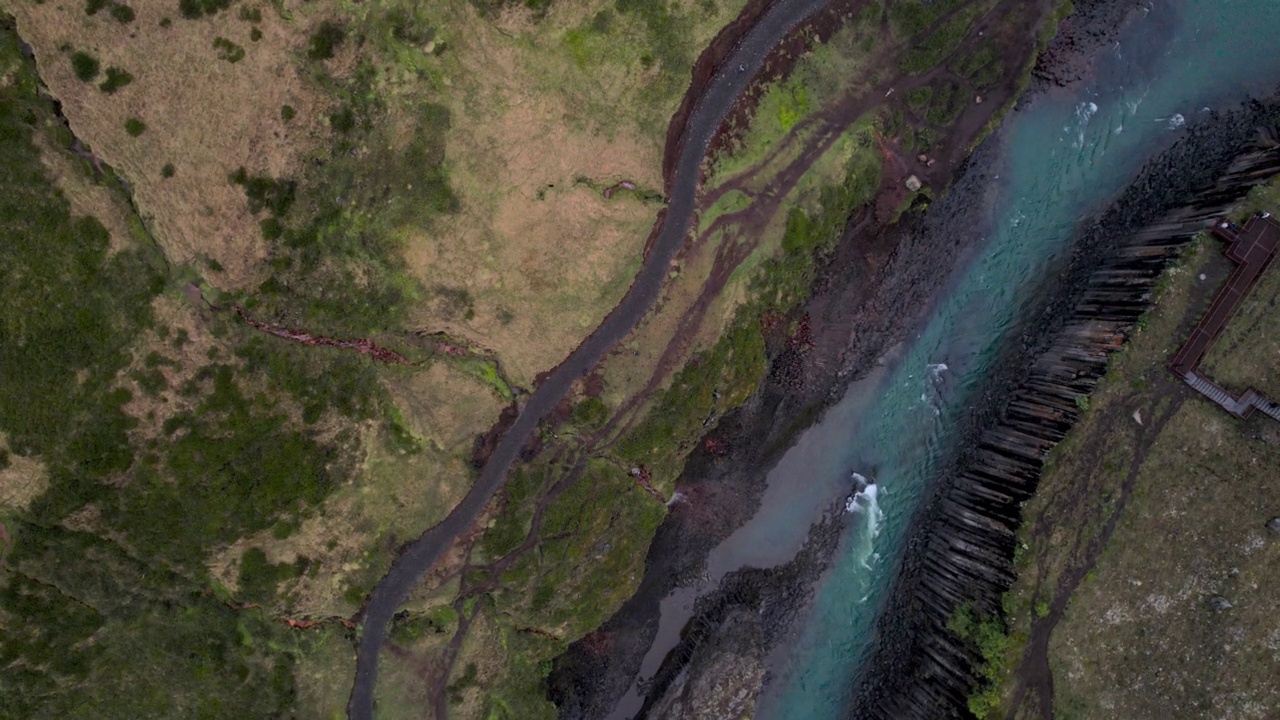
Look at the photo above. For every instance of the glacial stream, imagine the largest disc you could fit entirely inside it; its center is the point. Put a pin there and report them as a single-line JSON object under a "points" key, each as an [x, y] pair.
{"points": [[1061, 158]]}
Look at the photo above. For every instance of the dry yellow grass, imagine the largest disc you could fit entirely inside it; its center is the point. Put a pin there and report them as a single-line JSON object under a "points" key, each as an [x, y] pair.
{"points": [[204, 115], [532, 248], [430, 402], [22, 481]]}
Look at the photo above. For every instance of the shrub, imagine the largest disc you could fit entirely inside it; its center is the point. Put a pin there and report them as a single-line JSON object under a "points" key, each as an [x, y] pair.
{"points": [[255, 34], [930, 51], [167, 171], [259, 578], [122, 13], [408, 28], [591, 413], [151, 381], [489, 7], [228, 50], [194, 9], [85, 66], [909, 17], [667, 35], [116, 79], [272, 229], [987, 635], [343, 120], [287, 112], [91, 7], [325, 40], [947, 101], [134, 126], [918, 98], [251, 14], [265, 193], [602, 22], [795, 105]]}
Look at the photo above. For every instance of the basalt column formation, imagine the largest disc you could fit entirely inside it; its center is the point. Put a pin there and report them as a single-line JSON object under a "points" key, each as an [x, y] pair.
{"points": [[963, 541]]}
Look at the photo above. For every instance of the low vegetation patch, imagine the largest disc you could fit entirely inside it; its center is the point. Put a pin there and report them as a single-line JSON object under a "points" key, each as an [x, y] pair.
{"points": [[986, 634], [116, 79], [122, 13], [196, 9], [912, 17], [228, 50], [326, 40], [85, 66], [935, 48], [1188, 626]]}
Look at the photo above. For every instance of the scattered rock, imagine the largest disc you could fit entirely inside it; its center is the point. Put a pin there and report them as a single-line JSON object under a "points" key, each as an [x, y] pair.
{"points": [[977, 100], [922, 158], [914, 184], [1137, 416], [932, 162], [1274, 525], [1219, 603]]}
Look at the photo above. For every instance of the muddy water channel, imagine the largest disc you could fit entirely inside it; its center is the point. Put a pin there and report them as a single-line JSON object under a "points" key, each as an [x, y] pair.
{"points": [[1057, 160]]}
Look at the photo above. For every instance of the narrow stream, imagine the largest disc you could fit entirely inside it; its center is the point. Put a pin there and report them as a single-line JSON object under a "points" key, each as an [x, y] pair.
{"points": [[1063, 156]]}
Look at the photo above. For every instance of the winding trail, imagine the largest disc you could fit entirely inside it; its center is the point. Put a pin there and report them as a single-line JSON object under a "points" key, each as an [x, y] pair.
{"points": [[707, 115]]}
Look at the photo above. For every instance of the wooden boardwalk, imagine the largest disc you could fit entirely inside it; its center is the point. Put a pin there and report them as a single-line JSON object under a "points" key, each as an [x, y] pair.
{"points": [[1252, 247]]}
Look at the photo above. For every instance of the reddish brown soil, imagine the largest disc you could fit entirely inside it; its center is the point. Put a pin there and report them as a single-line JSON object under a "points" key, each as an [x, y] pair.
{"points": [[361, 345]]}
